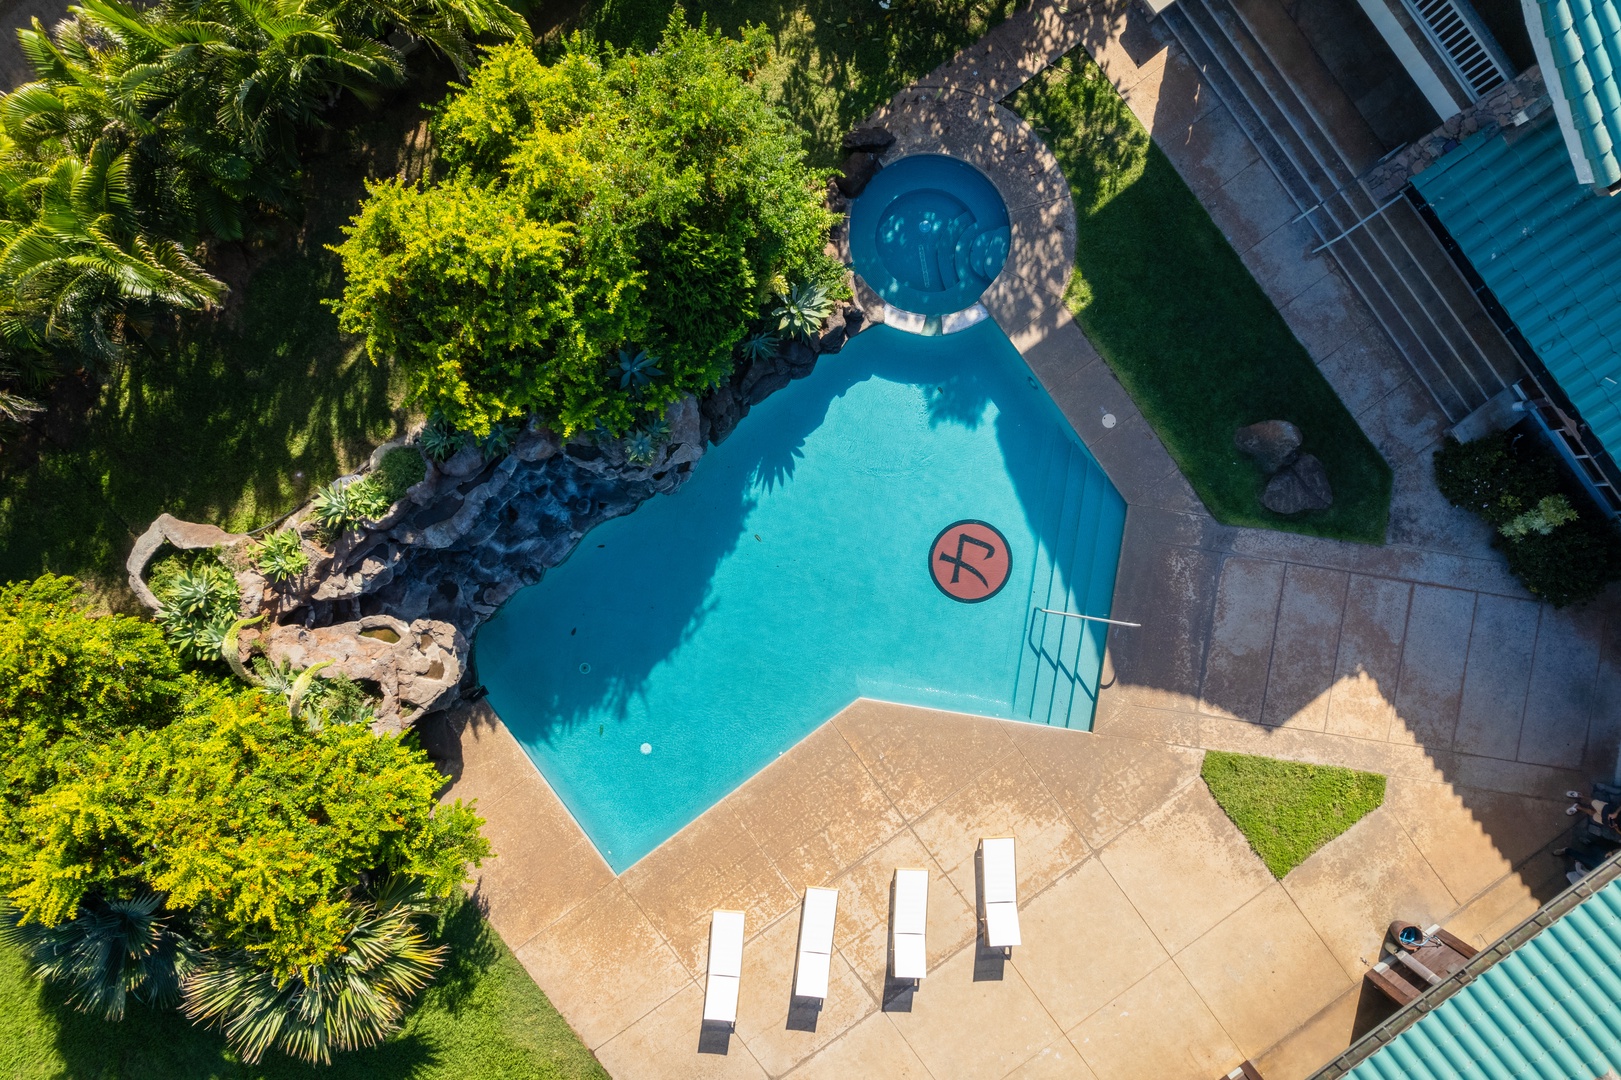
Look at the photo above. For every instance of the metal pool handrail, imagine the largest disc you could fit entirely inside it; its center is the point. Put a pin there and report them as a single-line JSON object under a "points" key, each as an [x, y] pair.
{"points": [[1089, 618]]}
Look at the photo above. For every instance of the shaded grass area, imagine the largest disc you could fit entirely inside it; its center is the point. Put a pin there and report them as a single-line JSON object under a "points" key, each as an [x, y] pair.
{"points": [[1191, 336], [837, 60], [230, 418], [1285, 809], [482, 1018]]}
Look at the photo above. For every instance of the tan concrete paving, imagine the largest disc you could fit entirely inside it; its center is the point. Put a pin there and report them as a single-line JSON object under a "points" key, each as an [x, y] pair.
{"points": [[1156, 944]]}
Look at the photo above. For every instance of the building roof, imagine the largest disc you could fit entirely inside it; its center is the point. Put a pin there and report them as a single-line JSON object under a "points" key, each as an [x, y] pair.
{"points": [[1550, 1008], [1581, 40], [1550, 250]]}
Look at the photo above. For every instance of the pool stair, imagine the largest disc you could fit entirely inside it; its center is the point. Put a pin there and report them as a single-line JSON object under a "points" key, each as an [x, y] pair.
{"points": [[1061, 658]]}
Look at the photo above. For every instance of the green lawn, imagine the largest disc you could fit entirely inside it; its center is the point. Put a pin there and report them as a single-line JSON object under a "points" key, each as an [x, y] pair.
{"points": [[1176, 314], [484, 1018], [1285, 809]]}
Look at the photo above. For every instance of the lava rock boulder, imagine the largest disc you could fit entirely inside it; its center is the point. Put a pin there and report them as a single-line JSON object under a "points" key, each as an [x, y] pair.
{"points": [[1274, 444], [1302, 486]]}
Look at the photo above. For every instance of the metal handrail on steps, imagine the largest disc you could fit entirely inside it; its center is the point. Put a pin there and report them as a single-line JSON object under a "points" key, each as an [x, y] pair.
{"points": [[1088, 618]]}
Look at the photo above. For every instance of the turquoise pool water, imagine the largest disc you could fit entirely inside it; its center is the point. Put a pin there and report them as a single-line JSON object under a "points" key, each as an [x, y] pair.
{"points": [[686, 645], [929, 234]]}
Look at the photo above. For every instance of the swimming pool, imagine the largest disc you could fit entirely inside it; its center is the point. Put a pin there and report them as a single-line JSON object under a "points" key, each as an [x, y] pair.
{"points": [[683, 647], [929, 234]]}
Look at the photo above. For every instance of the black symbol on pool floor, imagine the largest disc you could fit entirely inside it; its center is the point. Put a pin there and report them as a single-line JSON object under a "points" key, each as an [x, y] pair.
{"points": [[958, 564]]}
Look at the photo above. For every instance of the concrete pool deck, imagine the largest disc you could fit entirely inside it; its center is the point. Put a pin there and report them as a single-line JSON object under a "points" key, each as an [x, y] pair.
{"points": [[1156, 944]]}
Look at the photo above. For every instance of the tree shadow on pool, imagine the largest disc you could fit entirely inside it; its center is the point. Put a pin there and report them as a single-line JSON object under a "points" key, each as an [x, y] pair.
{"points": [[662, 592]]}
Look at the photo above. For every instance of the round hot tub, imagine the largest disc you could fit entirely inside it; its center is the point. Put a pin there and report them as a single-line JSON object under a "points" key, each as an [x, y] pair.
{"points": [[929, 234]]}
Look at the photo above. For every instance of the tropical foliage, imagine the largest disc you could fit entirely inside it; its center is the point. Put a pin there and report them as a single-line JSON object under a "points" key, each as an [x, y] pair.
{"points": [[200, 599], [163, 835], [347, 504], [281, 556], [609, 227], [150, 128], [1560, 548]]}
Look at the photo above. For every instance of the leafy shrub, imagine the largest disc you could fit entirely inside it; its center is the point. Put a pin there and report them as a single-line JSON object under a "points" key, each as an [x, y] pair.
{"points": [[498, 443], [281, 557], [1496, 477], [401, 469], [611, 200], [348, 506], [1550, 512], [69, 680], [1567, 565], [1561, 554], [239, 814]]}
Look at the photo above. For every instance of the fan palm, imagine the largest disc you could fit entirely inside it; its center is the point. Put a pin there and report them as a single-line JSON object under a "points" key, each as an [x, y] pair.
{"points": [[110, 951], [352, 1000]]}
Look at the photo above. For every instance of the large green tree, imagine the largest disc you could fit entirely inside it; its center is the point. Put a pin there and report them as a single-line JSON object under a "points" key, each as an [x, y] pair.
{"points": [[606, 229], [157, 827]]}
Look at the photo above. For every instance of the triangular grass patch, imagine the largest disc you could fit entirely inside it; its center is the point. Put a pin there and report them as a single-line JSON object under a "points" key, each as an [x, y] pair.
{"points": [[1286, 809]]}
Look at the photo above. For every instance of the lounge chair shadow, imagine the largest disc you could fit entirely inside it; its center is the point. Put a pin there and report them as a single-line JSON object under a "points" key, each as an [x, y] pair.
{"points": [[898, 994], [803, 1013], [714, 1038], [988, 962]]}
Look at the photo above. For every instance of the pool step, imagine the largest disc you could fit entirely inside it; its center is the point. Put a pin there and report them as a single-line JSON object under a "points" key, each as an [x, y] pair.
{"points": [[1062, 658]]}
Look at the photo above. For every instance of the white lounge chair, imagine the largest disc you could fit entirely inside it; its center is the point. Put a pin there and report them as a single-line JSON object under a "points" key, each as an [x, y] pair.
{"points": [[1001, 884], [815, 942], [725, 967], [911, 918]]}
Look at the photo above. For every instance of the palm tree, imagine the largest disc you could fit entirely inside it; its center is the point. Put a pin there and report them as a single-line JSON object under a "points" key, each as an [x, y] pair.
{"points": [[352, 1000], [79, 266], [109, 951], [447, 25]]}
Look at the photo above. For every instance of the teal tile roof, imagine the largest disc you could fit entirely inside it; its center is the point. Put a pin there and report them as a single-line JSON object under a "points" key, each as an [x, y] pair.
{"points": [[1584, 37], [1551, 1009], [1550, 249]]}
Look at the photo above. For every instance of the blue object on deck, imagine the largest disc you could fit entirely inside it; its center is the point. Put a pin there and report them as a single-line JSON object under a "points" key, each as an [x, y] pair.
{"points": [[720, 625], [929, 234]]}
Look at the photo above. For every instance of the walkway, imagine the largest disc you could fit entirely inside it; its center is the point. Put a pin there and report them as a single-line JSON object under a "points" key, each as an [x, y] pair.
{"points": [[1156, 944]]}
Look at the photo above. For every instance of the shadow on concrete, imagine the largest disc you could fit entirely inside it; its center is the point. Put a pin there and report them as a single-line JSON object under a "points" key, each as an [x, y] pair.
{"points": [[803, 1013], [715, 1038]]}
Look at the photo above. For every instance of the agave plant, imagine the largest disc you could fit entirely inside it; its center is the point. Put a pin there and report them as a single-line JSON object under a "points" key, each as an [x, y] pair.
{"points": [[439, 441], [352, 1000], [639, 448], [204, 586], [110, 951], [346, 506], [759, 346], [281, 556], [199, 636], [637, 369], [802, 309]]}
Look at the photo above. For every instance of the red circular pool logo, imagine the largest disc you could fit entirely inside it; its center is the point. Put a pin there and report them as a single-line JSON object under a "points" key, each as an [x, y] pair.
{"points": [[969, 561]]}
